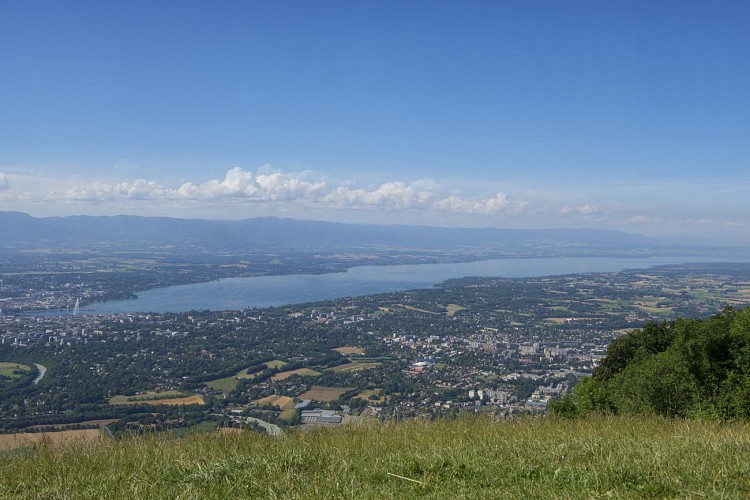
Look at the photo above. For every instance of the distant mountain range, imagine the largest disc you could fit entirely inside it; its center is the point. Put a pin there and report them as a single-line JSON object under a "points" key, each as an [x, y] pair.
{"points": [[19, 230]]}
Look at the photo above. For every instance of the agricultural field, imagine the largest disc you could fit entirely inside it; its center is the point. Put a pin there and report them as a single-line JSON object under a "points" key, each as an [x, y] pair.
{"points": [[188, 400], [226, 384], [349, 350], [452, 309], [61, 427], [560, 321], [276, 363], [284, 403], [9, 369], [324, 394], [366, 395], [354, 366], [281, 402], [146, 396], [59, 438], [170, 398], [303, 372]]}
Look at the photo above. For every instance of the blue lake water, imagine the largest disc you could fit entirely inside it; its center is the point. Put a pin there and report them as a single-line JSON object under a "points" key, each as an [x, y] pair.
{"points": [[267, 291]]}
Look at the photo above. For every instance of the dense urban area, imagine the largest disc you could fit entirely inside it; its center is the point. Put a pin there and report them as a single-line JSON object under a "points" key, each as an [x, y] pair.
{"points": [[498, 346]]}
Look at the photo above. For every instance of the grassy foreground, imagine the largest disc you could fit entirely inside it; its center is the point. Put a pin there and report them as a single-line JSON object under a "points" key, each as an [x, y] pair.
{"points": [[466, 458]]}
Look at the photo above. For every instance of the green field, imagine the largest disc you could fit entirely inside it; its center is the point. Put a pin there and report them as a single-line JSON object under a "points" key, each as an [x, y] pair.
{"points": [[146, 396], [226, 384], [9, 369], [452, 309], [598, 457]]}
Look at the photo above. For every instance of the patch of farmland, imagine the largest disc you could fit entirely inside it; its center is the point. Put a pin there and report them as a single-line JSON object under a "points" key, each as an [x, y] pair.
{"points": [[281, 402], [195, 399], [276, 363], [61, 427], [303, 372], [8, 369], [226, 384], [324, 394], [366, 395], [452, 309], [288, 414], [146, 396], [348, 350], [560, 321], [59, 438]]}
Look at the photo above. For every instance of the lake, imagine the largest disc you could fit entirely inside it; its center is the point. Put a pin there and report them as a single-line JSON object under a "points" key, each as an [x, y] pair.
{"points": [[267, 291]]}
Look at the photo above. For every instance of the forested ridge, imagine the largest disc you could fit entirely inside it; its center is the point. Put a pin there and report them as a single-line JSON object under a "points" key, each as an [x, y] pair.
{"points": [[684, 368]]}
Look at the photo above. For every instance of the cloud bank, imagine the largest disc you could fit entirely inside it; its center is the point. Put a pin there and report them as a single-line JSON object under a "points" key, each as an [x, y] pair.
{"points": [[241, 186], [470, 202]]}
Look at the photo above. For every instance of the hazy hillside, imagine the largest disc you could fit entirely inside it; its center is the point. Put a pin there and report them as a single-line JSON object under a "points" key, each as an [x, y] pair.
{"points": [[18, 229]]}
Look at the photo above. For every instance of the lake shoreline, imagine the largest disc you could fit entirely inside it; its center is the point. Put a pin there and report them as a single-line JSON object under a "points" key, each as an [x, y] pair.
{"points": [[289, 289]]}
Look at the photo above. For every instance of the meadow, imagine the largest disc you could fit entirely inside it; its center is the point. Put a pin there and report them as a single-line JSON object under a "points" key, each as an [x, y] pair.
{"points": [[9, 369], [473, 457]]}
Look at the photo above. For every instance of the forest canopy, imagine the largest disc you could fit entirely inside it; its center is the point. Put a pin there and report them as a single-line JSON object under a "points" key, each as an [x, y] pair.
{"points": [[685, 368]]}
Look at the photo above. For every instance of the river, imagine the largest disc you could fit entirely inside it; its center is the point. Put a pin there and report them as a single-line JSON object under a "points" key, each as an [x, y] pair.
{"points": [[268, 291]]}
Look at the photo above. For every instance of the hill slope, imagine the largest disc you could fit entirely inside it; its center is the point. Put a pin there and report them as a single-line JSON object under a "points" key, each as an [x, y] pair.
{"points": [[466, 458]]}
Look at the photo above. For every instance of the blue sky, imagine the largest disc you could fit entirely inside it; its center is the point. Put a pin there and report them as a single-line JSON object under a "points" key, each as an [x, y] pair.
{"points": [[622, 115]]}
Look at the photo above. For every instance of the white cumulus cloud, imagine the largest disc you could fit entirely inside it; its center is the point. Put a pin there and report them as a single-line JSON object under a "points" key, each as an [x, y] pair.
{"points": [[238, 183], [138, 189], [3, 181], [269, 186], [643, 219], [582, 210]]}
